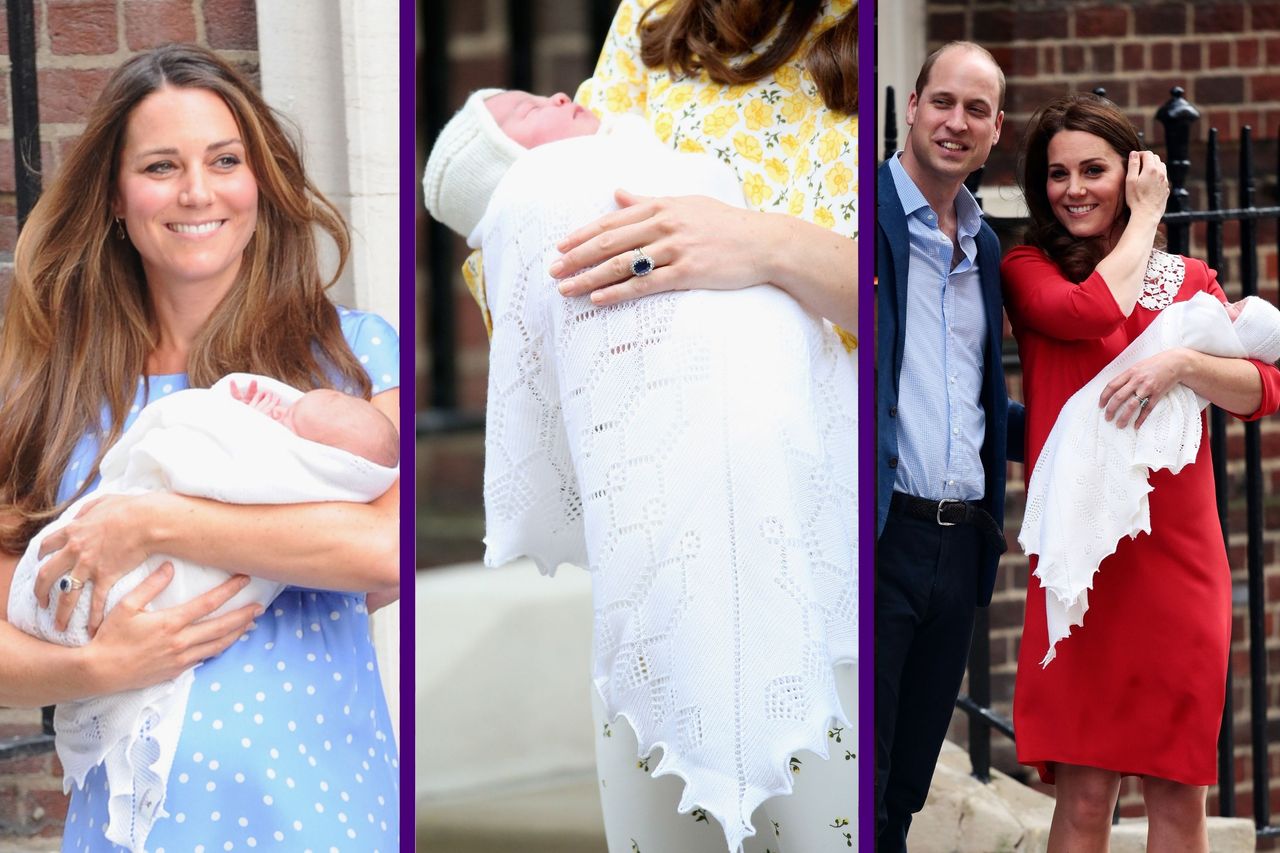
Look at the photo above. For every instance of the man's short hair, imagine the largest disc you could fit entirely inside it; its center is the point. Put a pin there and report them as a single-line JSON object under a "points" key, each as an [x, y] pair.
{"points": [[922, 79]]}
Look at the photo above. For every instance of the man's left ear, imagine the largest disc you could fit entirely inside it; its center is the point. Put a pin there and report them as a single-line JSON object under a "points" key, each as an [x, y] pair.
{"points": [[999, 124]]}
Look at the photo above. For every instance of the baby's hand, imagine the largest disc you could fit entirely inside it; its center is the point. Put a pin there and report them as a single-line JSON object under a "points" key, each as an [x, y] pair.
{"points": [[267, 402]]}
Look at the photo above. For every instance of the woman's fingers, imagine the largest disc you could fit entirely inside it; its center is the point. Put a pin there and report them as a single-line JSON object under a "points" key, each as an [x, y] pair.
{"points": [[629, 213], [659, 280], [619, 268], [205, 603], [152, 585]]}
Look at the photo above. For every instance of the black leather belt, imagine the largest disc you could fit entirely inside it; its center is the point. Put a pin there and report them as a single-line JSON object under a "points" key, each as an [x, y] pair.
{"points": [[948, 513]]}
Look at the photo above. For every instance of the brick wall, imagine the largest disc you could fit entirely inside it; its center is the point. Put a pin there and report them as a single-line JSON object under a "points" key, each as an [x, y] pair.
{"points": [[1224, 54], [78, 43], [450, 470]]}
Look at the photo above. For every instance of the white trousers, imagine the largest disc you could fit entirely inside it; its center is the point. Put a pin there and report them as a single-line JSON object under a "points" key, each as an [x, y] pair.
{"points": [[820, 815]]}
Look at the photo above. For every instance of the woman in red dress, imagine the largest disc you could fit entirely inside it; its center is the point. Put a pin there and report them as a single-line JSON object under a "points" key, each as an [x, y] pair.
{"points": [[1138, 690]]}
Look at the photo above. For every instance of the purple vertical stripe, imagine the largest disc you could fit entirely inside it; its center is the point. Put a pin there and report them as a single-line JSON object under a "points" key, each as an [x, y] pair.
{"points": [[866, 421], [408, 408]]}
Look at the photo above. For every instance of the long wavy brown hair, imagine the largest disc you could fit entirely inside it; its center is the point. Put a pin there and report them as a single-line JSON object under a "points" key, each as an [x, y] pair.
{"points": [[1091, 114], [707, 35], [79, 322]]}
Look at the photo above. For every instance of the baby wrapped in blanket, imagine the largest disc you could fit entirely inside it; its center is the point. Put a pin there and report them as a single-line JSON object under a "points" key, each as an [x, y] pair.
{"points": [[247, 439], [1090, 485], [695, 450]]}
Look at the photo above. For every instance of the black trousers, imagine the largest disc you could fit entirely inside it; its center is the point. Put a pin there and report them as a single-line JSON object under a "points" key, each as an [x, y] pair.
{"points": [[926, 593]]}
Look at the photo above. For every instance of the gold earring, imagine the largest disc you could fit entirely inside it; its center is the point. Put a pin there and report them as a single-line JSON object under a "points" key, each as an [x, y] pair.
{"points": [[119, 228]]}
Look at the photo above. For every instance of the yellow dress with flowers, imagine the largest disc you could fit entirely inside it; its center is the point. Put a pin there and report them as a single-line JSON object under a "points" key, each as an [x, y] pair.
{"points": [[791, 154]]}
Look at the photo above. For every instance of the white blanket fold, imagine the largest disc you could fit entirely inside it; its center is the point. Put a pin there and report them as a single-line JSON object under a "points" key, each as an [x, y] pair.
{"points": [[1090, 486], [202, 443], [697, 451]]}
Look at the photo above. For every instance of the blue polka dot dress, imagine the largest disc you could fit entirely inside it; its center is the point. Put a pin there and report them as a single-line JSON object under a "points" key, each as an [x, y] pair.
{"points": [[287, 743]]}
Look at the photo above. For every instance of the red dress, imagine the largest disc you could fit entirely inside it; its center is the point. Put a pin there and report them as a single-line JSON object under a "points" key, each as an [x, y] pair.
{"points": [[1139, 687]]}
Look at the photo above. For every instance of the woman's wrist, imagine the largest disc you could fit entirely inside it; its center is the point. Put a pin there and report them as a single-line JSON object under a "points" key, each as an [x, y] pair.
{"points": [[156, 511]]}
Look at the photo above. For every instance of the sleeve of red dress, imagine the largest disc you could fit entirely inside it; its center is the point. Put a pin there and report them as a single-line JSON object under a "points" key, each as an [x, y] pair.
{"points": [[1267, 373], [1039, 298]]}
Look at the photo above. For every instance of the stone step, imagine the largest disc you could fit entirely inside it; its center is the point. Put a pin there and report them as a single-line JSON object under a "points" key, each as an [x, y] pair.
{"points": [[962, 815]]}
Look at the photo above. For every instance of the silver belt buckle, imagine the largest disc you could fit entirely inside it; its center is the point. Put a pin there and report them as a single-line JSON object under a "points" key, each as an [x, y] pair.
{"points": [[941, 504]]}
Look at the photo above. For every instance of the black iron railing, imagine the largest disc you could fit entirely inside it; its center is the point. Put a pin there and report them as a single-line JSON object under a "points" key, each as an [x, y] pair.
{"points": [[26, 169], [442, 414], [1178, 116]]}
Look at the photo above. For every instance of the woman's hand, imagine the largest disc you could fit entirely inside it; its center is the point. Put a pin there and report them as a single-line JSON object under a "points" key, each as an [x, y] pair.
{"points": [[104, 542], [696, 243], [1146, 184], [1149, 379], [137, 648]]}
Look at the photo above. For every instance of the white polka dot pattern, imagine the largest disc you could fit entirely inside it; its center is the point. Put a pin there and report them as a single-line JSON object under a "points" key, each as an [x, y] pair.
{"points": [[247, 771]]}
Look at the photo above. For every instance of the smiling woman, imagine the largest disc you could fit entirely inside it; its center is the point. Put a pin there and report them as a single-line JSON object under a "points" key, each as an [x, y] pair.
{"points": [[188, 200], [178, 244]]}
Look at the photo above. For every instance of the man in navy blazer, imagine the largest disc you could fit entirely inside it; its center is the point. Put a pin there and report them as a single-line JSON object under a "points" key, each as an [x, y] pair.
{"points": [[943, 418]]}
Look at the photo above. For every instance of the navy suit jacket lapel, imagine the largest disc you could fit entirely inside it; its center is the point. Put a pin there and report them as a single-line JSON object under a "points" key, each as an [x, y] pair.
{"points": [[893, 222]]}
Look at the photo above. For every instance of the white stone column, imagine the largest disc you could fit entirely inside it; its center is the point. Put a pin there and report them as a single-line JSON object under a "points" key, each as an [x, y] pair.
{"points": [[900, 53], [333, 69]]}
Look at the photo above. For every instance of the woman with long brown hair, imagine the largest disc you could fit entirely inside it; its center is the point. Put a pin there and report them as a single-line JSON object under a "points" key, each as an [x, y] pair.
{"points": [[1138, 688], [771, 90], [178, 244]]}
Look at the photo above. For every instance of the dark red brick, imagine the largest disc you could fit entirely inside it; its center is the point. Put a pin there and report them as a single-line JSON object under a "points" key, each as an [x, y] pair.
{"points": [[233, 24], [28, 764], [1101, 22], [53, 802], [1041, 24], [67, 93], [1264, 16], [1072, 58], [1228, 89], [148, 23], [1219, 54], [1219, 18], [1264, 87], [946, 26], [1026, 97], [83, 27], [1248, 52], [1026, 61], [1133, 57], [1190, 57], [993, 27], [1162, 56], [1102, 58], [1165, 19], [1049, 60]]}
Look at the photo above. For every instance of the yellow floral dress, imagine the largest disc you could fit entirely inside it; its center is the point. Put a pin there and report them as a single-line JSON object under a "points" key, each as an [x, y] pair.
{"points": [[791, 154]]}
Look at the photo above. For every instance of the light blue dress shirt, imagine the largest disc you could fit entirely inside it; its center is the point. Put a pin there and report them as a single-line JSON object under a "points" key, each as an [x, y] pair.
{"points": [[941, 424]]}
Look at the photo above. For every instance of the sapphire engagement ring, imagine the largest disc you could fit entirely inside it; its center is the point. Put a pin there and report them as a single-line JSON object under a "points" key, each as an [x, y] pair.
{"points": [[66, 583], [641, 264]]}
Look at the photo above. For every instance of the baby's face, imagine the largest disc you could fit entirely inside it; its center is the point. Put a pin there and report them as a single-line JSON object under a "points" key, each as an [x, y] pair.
{"points": [[532, 120]]}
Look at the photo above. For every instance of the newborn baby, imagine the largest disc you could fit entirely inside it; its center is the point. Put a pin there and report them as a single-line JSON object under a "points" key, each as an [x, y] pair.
{"points": [[695, 450], [331, 418], [1090, 484], [213, 443]]}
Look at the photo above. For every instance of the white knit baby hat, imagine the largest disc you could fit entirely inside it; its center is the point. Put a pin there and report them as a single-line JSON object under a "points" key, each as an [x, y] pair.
{"points": [[469, 158]]}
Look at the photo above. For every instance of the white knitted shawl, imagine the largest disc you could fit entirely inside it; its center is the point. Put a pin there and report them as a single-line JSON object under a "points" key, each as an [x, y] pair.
{"points": [[197, 442], [1090, 484], [695, 450]]}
